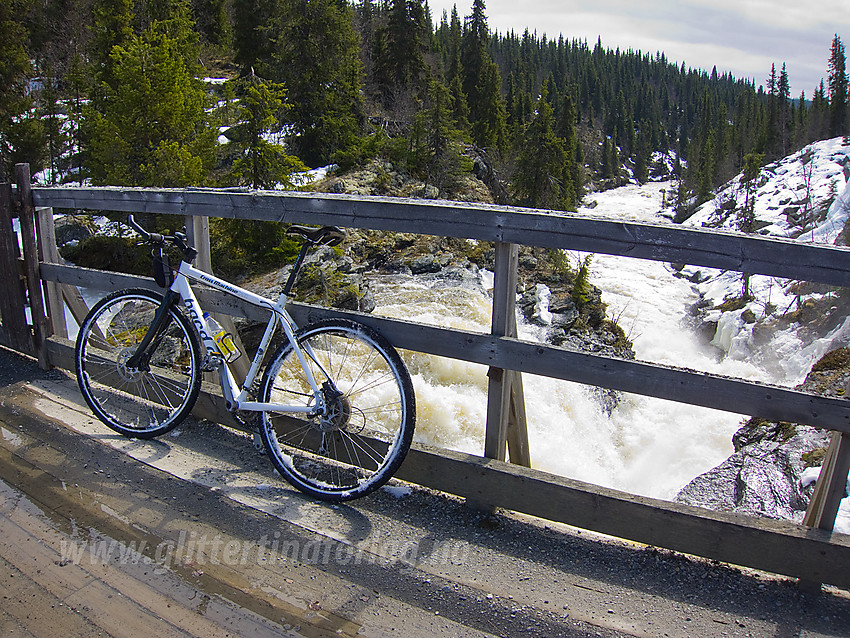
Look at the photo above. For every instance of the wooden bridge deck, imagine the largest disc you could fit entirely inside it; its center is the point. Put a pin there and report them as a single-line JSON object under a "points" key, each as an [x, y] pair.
{"points": [[415, 565]]}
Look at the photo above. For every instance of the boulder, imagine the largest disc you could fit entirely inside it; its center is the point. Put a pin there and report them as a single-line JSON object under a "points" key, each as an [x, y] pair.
{"points": [[764, 477]]}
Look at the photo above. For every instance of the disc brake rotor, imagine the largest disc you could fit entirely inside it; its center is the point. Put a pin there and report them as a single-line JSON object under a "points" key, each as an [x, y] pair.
{"points": [[126, 373]]}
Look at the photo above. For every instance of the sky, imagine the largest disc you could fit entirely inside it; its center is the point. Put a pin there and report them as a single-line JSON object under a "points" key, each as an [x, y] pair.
{"points": [[744, 37]]}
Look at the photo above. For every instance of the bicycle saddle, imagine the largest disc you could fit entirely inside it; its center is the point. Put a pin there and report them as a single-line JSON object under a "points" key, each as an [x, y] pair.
{"points": [[327, 235]]}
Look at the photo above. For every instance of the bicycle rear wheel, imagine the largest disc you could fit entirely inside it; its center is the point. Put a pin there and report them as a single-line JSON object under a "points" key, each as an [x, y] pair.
{"points": [[357, 446], [137, 403]]}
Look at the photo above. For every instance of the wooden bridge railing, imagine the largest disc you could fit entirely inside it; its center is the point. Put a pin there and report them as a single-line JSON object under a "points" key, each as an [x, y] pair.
{"points": [[811, 552]]}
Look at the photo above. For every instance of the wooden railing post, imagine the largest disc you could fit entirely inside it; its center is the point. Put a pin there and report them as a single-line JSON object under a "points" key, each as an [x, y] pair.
{"points": [[14, 331], [831, 485], [198, 234], [49, 253], [506, 422], [829, 490], [28, 237]]}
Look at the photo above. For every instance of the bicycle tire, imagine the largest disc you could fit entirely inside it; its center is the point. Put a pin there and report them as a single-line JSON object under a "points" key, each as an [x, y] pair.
{"points": [[359, 445], [135, 403]]}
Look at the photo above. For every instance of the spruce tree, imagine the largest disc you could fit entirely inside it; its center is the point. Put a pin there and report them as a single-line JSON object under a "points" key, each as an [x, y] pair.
{"points": [[482, 83], [149, 125], [317, 58], [398, 57], [252, 34], [802, 124], [771, 132], [838, 87], [489, 119], [705, 169], [454, 67], [752, 169], [214, 22], [746, 216], [566, 130], [784, 119], [434, 154], [641, 155], [112, 26], [261, 163], [22, 136], [819, 116], [543, 177]]}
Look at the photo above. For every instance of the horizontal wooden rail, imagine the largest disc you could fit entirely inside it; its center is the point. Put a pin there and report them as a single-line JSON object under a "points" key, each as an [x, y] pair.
{"points": [[686, 386], [780, 547], [711, 248]]}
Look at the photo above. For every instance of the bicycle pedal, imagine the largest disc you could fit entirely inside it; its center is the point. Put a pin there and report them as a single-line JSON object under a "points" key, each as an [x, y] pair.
{"points": [[211, 363]]}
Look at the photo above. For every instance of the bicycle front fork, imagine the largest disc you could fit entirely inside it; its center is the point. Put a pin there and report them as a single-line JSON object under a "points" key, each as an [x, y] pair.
{"points": [[141, 359]]}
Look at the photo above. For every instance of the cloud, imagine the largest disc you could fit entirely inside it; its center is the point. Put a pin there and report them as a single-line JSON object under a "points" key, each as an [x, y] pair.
{"points": [[744, 37], [784, 14]]}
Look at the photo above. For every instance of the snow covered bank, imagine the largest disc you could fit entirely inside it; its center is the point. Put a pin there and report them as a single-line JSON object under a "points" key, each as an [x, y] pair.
{"points": [[804, 197]]}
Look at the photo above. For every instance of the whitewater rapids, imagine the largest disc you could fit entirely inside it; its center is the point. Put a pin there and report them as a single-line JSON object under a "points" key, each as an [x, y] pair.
{"points": [[645, 446]]}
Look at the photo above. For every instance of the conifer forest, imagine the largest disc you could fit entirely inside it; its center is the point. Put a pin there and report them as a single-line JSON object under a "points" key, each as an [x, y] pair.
{"points": [[116, 92]]}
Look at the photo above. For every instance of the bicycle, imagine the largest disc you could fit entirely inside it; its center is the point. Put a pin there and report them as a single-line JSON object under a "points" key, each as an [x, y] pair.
{"points": [[335, 403]]}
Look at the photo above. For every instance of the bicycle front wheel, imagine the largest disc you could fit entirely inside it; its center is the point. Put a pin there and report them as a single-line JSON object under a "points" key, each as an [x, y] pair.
{"points": [[360, 441], [140, 403]]}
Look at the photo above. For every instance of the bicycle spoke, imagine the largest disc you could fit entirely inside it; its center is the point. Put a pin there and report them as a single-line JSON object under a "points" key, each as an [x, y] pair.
{"points": [[135, 402], [362, 438]]}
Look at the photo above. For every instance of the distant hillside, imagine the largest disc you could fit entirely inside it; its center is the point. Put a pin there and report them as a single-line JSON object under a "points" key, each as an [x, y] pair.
{"points": [[800, 196], [784, 326]]}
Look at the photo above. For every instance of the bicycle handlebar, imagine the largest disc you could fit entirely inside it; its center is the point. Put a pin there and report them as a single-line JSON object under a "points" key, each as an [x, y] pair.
{"points": [[177, 239], [135, 226]]}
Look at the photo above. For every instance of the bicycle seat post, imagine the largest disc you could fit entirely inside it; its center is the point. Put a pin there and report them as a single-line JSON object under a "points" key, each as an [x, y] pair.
{"points": [[293, 274]]}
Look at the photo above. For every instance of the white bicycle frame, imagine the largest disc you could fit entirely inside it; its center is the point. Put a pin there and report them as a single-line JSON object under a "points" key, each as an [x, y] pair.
{"points": [[235, 396]]}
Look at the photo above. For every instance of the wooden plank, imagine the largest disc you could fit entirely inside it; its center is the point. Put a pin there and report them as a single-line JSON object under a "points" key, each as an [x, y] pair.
{"points": [[41, 329], [108, 281], [712, 248], [75, 302], [94, 279], [117, 611], [774, 546], [49, 253], [14, 331], [647, 379]]}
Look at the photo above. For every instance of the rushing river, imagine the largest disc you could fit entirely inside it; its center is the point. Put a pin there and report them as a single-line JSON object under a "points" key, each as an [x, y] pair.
{"points": [[647, 446]]}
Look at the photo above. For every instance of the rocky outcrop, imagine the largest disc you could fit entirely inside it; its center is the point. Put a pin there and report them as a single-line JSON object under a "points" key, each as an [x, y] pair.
{"points": [[584, 326], [383, 178], [764, 477]]}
